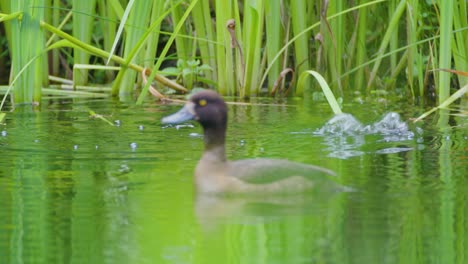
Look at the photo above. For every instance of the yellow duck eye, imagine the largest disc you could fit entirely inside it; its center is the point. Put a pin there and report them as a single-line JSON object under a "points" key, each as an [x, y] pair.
{"points": [[202, 102]]}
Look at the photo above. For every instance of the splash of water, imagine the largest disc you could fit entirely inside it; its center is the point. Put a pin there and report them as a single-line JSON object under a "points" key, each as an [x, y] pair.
{"points": [[346, 124], [344, 134]]}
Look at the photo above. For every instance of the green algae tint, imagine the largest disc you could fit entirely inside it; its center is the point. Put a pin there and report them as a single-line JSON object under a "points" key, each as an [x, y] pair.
{"points": [[74, 189]]}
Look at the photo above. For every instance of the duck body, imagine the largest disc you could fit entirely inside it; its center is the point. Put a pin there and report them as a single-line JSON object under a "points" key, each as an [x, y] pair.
{"points": [[214, 174]]}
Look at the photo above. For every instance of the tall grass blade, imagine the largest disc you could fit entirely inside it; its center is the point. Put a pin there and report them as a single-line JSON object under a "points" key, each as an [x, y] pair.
{"points": [[123, 21], [325, 89]]}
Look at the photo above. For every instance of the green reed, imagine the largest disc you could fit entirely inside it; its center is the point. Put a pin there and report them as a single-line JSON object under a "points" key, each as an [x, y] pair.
{"points": [[445, 54], [253, 46], [360, 47], [460, 38], [83, 24], [26, 47], [379, 44], [135, 28]]}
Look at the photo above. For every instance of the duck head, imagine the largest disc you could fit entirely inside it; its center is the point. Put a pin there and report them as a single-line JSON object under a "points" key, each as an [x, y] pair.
{"points": [[209, 109]]}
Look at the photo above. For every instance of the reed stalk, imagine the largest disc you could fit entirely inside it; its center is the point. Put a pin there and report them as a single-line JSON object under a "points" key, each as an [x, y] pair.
{"points": [[460, 43], [52, 16], [204, 32], [110, 11], [412, 12], [224, 55], [334, 42], [393, 24], [134, 30], [75, 43], [183, 44], [274, 35], [157, 12], [361, 47], [27, 89], [445, 47], [299, 29], [252, 29], [83, 24]]}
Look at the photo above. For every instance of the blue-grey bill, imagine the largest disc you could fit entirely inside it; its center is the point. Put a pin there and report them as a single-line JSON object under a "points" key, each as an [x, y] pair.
{"points": [[184, 114]]}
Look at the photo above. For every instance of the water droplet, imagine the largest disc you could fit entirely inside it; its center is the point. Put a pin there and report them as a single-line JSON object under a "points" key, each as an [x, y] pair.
{"points": [[141, 127], [75, 147], [242, 142], [97, 147], [117, 122], [4, 133], [133, 146]]}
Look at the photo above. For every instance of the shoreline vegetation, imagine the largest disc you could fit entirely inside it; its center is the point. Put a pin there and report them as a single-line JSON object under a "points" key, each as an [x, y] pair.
{"points": [[100, 48]]}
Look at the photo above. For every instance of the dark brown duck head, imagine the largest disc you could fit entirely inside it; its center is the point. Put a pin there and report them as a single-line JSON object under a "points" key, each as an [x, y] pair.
{"points": [[215, 174], [208, 109]]}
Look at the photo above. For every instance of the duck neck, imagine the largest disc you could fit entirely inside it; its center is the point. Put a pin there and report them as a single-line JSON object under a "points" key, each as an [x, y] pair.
{"points": [[215, 138]]}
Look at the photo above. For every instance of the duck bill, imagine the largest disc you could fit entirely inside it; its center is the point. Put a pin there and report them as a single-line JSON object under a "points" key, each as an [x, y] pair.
{"points": [[185, 114]]}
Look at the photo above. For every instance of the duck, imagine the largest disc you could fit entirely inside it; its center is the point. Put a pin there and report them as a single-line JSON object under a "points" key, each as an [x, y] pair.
{"points": [[215, 174]]}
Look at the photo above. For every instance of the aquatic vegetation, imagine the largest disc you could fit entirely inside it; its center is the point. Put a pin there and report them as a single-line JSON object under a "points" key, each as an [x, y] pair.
{"points": [[393, 45]]}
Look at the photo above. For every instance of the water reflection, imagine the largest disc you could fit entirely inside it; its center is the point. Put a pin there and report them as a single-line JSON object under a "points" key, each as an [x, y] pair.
{"points": [[271, 229], [214, 210]]}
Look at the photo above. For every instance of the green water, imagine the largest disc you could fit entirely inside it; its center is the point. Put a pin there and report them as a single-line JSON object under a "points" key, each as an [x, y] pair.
{"points": [[77, 190]]}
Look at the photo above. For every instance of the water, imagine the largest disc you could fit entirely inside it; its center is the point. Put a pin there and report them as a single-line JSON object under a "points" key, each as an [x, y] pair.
{"points": [[78, 190]]}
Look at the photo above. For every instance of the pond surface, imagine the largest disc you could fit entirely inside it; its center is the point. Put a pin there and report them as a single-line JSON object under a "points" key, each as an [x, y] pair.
{"points": [[76, 190]]}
